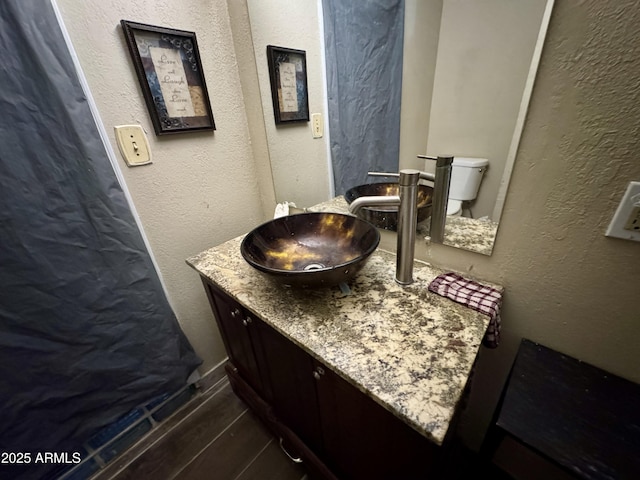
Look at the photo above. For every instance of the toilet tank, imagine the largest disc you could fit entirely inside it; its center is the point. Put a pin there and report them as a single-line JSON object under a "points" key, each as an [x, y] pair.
{"points": [[466, 176]]}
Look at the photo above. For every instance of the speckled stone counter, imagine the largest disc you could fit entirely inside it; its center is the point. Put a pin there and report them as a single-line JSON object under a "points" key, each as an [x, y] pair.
{"points": [[475, 235], [410, 350]]}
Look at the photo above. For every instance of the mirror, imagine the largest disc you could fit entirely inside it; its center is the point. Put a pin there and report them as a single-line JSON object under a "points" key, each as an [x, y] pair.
{"points": [[466, 93], [468, 73]]}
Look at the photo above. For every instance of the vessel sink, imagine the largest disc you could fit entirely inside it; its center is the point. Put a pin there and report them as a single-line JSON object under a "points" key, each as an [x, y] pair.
{"points": [[311, 249], [386, 217]]}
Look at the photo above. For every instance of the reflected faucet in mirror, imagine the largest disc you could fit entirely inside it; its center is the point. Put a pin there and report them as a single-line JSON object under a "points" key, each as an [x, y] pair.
{"points": [[407, 202]]}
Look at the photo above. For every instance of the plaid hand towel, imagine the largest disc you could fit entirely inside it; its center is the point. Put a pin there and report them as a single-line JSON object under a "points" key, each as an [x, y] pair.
{"points": [[474, 295]]}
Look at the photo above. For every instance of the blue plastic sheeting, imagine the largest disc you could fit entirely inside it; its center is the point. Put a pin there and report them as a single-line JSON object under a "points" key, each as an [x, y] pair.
{"points": [[363, 43], [86, 332]]}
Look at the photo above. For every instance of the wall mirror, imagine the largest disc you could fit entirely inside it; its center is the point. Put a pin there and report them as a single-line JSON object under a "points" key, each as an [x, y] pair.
{"points": [[466, 91], [468, 73]]}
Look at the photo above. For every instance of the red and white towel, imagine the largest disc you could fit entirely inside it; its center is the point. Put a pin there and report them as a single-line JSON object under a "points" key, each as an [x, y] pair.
{"points": [[474, 295]]}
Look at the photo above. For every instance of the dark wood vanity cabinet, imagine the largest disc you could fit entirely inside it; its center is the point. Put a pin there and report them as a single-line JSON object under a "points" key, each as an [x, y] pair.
{"points": [[321, 419], [239, 334]]}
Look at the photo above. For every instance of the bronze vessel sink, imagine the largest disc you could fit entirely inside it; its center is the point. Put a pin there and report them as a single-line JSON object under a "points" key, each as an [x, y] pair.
{"points": [[387, 217], [311, 249]]}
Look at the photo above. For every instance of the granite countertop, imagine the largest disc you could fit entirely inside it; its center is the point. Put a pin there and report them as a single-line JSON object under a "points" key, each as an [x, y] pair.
{"points": [[475, 235], [410, 350]]}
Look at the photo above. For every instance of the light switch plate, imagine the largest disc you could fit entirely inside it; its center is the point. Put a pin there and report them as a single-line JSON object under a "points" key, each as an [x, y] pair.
{"points": [[133, 145], [625, 221], [317, 126]]}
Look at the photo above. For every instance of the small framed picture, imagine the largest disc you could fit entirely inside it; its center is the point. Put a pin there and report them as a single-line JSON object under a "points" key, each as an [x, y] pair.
{"points": [[168, 67], [288, 75]]}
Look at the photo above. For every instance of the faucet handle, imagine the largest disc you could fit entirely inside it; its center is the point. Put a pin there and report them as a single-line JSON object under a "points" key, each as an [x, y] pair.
{"points": [[382, 174], [441, 160], [444, 160], [423, 175], [427, 176]]}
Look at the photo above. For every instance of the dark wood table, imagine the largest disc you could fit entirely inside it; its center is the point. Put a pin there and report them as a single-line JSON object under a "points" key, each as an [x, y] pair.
{"points": [[579, 417]]}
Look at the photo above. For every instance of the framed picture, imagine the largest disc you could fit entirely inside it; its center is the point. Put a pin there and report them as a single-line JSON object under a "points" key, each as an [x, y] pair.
{"points": [[168, 66], [288, 75]]}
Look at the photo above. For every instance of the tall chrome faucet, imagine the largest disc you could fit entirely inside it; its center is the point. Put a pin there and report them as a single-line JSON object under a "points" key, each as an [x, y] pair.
{"points": [[407, 202]]}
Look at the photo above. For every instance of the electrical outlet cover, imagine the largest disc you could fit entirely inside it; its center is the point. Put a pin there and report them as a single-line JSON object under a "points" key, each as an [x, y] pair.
{"points": [[633, 222], [622, 224]]}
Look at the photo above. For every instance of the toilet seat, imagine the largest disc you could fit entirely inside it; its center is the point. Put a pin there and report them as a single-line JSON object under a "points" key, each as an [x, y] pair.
{"points": [[454, 207]]}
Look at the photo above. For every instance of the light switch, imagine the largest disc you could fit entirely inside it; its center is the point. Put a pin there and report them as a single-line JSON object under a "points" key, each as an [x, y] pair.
{"points": [[133, 145]]}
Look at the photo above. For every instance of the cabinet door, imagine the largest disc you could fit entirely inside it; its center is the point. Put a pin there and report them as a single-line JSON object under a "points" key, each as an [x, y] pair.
{"points": [[237, 329], [293, 395], [363, 440]]}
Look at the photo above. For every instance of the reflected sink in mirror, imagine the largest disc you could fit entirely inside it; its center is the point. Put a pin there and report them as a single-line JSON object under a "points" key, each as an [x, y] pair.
{"points": [[386, 217], [311, 249]]}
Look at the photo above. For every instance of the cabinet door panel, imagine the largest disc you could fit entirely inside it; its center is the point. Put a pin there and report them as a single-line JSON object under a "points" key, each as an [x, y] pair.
{"points": [[237, 335], [290, 373], [363, 440]]}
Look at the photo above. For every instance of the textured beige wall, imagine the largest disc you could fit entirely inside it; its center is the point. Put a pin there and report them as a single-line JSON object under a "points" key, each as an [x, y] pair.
{"points": [[567, 285], [421, 33], [202, 188], [249, 81]]}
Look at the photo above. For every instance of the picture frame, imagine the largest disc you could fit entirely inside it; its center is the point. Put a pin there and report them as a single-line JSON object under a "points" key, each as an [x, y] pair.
{"points": [[288, 76], [168, 67]]}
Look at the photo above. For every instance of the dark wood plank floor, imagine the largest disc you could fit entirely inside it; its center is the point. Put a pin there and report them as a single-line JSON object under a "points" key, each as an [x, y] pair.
{"points": [[215, 436]]}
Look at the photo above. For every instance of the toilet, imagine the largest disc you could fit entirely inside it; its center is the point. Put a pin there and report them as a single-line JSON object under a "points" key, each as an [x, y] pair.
{"points": [[466, 175]]}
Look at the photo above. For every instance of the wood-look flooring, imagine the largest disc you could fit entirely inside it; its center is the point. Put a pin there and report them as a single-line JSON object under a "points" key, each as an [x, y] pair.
{"points": [[213, 437]]}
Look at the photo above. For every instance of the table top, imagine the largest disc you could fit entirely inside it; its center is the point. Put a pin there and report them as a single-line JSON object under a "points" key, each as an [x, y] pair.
{"points": [[581, 417]]}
